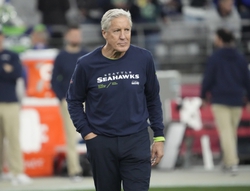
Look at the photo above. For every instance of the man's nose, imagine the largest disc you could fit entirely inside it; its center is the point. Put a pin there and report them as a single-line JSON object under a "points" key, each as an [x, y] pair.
{"points": [[122, 35]]}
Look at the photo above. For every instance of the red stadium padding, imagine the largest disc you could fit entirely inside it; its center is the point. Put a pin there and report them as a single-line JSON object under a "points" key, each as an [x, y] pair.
{"points": [[190, 90]]}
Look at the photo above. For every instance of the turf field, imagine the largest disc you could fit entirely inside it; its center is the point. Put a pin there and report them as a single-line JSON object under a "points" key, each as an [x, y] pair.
{"points": [[197, 189], [203, 189], [196, 179]]}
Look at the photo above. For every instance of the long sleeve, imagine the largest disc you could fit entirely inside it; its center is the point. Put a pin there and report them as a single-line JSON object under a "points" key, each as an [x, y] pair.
{"points": [[247, 81], [1, 70], [121, 96], [57, 80], [76, 95], [153, 101], [15, 73], [8, 80], [208, 78]]}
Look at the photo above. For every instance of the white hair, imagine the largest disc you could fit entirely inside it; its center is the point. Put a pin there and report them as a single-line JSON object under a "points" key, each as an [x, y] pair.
{"points": [[111, 14]]}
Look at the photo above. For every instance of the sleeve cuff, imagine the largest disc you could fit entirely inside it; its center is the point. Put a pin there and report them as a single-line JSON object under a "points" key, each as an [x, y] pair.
{"points": [[158, 133], [159, 139], [85, 131]]}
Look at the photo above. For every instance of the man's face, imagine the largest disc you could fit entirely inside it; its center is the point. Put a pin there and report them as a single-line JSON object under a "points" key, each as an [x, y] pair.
{"points": [[226, 5], [38, 37], [118, 35], [74, 37]]}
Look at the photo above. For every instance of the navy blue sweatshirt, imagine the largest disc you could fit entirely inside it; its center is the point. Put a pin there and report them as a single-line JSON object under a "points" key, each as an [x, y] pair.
{"points": [[227, 78], [8, 80], [64, 66], [120, 95]]}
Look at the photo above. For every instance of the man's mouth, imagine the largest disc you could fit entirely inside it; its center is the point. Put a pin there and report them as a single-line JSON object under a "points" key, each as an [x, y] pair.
{"points": [[122, 44]]}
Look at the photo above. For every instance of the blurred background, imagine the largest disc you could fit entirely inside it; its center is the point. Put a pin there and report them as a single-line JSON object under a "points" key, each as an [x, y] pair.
{"points": [[179, 33]]}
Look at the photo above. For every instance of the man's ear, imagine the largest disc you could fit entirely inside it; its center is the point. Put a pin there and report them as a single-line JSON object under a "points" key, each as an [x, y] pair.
{"points": [[104, 34]]}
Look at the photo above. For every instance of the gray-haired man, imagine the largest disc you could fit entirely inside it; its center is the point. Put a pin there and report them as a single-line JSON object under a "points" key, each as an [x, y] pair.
{"points": [[118, 84]]}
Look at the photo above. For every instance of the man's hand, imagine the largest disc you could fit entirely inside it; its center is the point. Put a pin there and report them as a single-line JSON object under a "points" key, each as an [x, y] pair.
{"points": [[156, 152], [8, 68], [90, 136]]}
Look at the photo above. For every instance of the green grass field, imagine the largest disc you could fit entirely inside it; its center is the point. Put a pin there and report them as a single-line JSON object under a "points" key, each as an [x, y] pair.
{"points": [[197, 189], [203, 189]]}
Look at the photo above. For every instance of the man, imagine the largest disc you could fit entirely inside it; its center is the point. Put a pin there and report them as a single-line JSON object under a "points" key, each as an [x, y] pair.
{"points": [[10, 71], [39, 37], [149, 12], [224, 15], [118, 84], [53, 12], [63, 69], [227, 78], [244, 8]]}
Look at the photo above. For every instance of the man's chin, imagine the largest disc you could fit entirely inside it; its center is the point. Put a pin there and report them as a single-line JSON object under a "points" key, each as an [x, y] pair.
{"points": [[122, 49]]}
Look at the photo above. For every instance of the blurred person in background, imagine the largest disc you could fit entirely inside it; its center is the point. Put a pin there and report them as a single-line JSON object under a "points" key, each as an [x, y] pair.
{"points": [[149, 13], [195, 10], [92, 10], [227, 79], [54, 17], [10, 71], [53, 11], [118, 84], [224, 15], [244, 8], [172, 9], [64, 66], [122, 4], [39, 37]]}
